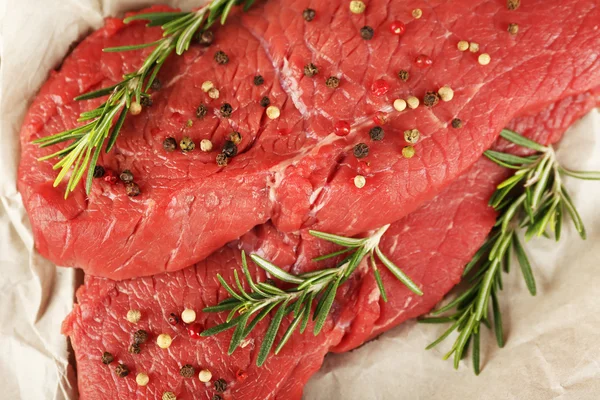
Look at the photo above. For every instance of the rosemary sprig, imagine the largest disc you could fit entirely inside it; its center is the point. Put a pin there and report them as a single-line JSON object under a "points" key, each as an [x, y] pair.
{"points": [[318, 286], [104, 123], [534, 199]]}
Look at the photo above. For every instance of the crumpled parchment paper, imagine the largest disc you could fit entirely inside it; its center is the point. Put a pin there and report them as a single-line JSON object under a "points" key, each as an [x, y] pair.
{"points": [[551, 349]]}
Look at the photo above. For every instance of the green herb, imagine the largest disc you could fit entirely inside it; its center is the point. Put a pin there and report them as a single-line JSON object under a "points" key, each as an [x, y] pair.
{"points": [[318, 287], [533, 199], [104, 123]]}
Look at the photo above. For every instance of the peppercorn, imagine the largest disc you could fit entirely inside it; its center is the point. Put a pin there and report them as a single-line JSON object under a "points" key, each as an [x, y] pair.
{"points": [[206, 38], [513, 4], [99, 171], [134, 348], [142, 379], [126, 176], [259, 80], [457, 123], [308, 14], [221, 160], [361, 150], [403, 75], [310, 70], [408, 152], [417, 13], [133, 316], [332, 82], [164, 340], [156, 85], [214, 93], [169, 396], [173, 319], [122, 371], [132, 189], [216, 397], [230, 149], [206, 145], [189, 123], [186, 144], [412, 135], [431, 99], [366, 32], [513, 29], [357, 7], [187, 371], [376, 133], [201, 111], [220, 385], [226, 110], [265, 101], [235, 137], [169, 144], [360, 181], [140, 336], [107, 358], [146, 101], [221, 57], [412, 102]]}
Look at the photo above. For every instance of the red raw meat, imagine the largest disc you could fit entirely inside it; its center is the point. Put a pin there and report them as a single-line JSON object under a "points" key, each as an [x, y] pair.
{"points": [[294, 171], [432, 245]]}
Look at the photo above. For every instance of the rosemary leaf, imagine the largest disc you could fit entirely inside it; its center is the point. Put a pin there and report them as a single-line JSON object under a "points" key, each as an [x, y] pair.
{"points": [[270, 335]]}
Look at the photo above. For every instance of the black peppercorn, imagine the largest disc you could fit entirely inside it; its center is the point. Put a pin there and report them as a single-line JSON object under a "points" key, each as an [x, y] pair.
{"points": [[513, 4], [201, 111], [230, 149], [431, 99], [308, 14], [206, 38], [146, 101], [156, 85], [235, 137], [220, 385], [122, 371], [126, 176], [310, 70], [216, 397], [376, 133], [99, 171], [173, 319], [361, 150], [226, 110], [265, 101], [169, 144], [187, 371], [403, 75], [186, 144], [332, 82], [140, 336], [221, 57], [457, 123], [132, 189], [107, 358], [134, 348], [259, 80], [366, 32], [221, 160]]}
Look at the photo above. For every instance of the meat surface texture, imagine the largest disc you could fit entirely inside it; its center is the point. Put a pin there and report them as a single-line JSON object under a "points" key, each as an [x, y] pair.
{"points": [[432, 245], [294, 171]]}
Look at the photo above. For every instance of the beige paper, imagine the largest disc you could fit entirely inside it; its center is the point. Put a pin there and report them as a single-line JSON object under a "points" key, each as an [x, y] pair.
{"points": [[551, 350]]}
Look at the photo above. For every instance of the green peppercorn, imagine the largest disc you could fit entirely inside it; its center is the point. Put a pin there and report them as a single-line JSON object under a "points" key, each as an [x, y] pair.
{"points": [[366, 32], [221, 160], [122, 371], [132, 189], [169, 144], [186, 144], [230, 149], [221, 57], [310, 70], [265, 101], [457, 123], [140, 336], [376, 133], [206, 38], [403, 75], [201, 111], [99, 171], [220, 385], [126, 176], [308, 14], [107, 358], [259, 80], [187, 371], [361, 150], [332, 82], [135, 348], [226, 110], [146, 101], [431, 99]]}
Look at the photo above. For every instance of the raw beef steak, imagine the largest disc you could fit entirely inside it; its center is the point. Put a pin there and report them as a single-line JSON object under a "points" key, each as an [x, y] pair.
{"points": [[294, 170], [432, 245]]}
